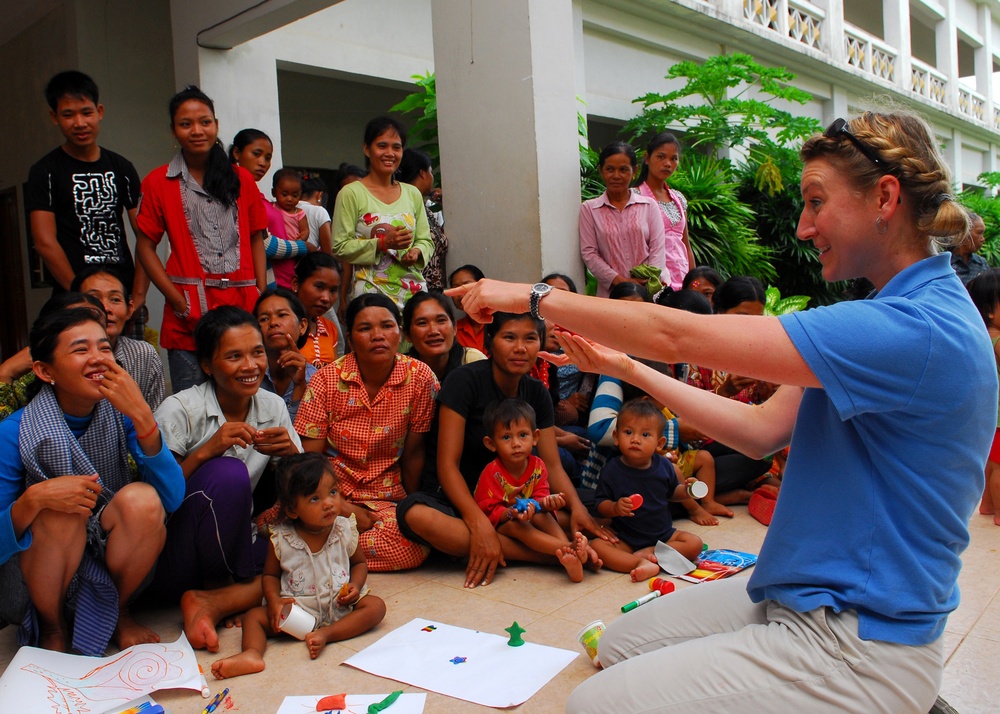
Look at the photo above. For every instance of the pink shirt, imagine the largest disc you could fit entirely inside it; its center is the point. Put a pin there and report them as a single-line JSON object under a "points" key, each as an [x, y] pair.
{"points": [[674, 225], [613, 242]]}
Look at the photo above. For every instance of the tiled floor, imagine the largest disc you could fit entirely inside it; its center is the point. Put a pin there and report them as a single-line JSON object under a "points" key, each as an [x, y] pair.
{"points": [[553, 610]]}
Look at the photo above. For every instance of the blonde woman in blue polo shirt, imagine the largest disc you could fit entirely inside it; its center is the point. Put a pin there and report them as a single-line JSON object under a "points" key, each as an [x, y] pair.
{"points": [[857, 575]]}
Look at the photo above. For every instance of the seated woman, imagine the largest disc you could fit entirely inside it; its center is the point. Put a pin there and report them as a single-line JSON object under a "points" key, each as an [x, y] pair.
{"points": [[139, 358], [369, 412], [224, 432], [317, 283], [16, 374], [69, 504], [284, 324], [443, 513], [429, 326]]}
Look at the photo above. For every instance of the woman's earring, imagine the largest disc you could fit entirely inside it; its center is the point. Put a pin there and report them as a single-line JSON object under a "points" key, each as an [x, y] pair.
{"points": [[881, 225]]}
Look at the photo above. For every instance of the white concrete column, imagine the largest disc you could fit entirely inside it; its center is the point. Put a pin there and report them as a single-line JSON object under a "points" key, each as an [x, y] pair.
{"points": [[833, 33], [984, 60], [506, 89], [953, 157], [946, 37], [896, 20], [836, 106]]}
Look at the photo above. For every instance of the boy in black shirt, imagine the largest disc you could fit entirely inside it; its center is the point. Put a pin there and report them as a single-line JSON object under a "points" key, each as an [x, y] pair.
{"points": [[77, 194]]}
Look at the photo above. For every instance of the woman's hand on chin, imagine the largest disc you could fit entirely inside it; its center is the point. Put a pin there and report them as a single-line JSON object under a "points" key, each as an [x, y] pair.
{"points": [[120, 389]]}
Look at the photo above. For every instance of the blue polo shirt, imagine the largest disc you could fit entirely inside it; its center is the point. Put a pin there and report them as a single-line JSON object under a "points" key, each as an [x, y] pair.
{"points": [[887, 458]]}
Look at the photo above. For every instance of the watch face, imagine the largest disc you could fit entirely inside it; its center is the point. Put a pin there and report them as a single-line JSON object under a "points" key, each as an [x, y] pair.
{"points": [[541, 288]]}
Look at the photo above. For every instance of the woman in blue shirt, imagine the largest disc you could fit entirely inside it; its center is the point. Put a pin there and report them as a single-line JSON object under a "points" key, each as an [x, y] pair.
{"points": [[70, 504], [889, 405]]}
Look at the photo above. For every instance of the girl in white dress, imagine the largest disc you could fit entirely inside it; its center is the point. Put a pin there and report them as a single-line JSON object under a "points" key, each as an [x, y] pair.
{"points": [[313, 562]]}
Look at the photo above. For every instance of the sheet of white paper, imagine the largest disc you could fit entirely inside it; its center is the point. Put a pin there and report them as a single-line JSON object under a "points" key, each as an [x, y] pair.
{"points": [[475, 666], [671, 561], [356, 704], [45, 682]]}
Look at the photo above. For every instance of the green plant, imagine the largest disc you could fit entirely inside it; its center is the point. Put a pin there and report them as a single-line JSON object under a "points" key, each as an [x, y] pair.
{"points": [[424, 132], [722, 224], [737, 106], [987, 206], [776, 305]]}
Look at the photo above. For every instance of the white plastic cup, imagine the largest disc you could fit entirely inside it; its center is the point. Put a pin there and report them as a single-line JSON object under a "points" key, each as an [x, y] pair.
{"points": [[295, 621], [698, 489], [588, 637]]}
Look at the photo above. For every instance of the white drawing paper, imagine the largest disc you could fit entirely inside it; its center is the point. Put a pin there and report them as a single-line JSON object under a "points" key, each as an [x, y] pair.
{"points": [[475, 666], [45, 682], [356, 704]]}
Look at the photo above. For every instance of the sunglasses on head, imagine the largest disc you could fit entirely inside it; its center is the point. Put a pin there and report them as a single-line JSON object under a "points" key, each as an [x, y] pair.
{"points": [[839, 129]]}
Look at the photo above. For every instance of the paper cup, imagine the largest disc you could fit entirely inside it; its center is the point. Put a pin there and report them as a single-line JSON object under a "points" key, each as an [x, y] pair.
{"points": [[296, 622], [698, 489], [588, 637]]}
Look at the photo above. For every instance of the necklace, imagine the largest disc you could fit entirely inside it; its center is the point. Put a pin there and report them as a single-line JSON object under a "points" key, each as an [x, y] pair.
{"points": [[314, 531], [320, 330]]}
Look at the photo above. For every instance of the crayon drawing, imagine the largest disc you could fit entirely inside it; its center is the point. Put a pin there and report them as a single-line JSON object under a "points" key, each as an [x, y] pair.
{"points": [[55, 683]]}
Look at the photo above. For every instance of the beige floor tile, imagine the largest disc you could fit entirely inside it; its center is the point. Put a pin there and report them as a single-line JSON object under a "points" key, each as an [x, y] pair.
{"points": [[971, 684]]}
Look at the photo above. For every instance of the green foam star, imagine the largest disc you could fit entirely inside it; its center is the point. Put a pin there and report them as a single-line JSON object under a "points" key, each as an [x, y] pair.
{"points": [[515, 631]]}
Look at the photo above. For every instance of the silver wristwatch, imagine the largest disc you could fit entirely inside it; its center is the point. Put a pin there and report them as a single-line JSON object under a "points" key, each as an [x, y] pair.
{"points": [[538, 291]]}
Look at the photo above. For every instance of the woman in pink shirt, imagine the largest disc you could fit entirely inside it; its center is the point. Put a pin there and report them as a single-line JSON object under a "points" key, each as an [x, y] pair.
{"points": [[662, 156], [620, 229]]}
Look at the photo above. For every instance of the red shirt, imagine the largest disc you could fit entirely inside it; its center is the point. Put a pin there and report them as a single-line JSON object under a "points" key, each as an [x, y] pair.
{"points": [[161, 211]]}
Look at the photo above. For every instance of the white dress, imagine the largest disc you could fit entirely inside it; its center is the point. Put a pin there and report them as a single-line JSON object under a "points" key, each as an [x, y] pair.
{"points": [[315, 579]]}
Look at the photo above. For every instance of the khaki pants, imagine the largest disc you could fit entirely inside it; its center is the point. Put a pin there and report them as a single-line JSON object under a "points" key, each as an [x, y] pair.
{"points": [[708, 649]]}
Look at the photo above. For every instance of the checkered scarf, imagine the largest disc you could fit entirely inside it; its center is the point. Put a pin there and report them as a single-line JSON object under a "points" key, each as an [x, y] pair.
{"points": [[48, 448]]}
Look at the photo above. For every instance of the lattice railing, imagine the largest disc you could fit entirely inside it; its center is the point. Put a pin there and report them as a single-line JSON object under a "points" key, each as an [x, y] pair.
{"points": [[869, 54]]}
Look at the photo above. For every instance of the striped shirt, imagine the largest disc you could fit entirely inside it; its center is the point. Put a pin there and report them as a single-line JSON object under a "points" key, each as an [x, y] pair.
{"points": [[213, 224]]}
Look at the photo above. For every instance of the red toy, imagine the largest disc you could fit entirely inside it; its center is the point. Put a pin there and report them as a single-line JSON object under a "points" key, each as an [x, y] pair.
{"points": [[636, 500], [334, 701], [661, 586]]}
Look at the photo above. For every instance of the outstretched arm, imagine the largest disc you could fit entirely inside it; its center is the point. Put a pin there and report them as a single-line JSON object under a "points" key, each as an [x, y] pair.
{"points": [[748, 345], [754, 430]]}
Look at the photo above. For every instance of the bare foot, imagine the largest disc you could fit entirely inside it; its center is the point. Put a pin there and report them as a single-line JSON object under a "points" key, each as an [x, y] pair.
{"points": [[128, 632], [199, 621], [996, 520], [586, 553], [986, 505], [571, 561], [644, 571], [716, 508], [247, 662], [315, 641], [702, 517], [735, 497]]}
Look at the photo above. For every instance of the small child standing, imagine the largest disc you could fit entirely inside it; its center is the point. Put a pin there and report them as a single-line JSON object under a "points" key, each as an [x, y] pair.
{"points": [[984, 290], [313, 562], [639, 470], [513, 490], [286, 187]]}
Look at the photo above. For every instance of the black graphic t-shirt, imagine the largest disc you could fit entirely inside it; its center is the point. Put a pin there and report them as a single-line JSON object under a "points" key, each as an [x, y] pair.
{"points": [[89, 200]]}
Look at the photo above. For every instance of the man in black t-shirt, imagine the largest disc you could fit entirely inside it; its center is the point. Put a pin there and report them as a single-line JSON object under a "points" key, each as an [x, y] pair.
{"points": [[77, 194]]}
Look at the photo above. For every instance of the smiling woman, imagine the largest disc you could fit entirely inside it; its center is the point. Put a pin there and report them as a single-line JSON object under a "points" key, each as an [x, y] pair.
{"points": [[68, 500], [225, 433], [212, 215]]}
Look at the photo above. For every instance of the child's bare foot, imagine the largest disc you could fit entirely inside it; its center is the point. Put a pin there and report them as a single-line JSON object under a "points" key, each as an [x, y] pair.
{"points": [[128, 632], [702, 517], [644, 571], [247, 662], [569, 559], [315, 641], [986, 505], [199, 621], [586, 553], [716, 508]]}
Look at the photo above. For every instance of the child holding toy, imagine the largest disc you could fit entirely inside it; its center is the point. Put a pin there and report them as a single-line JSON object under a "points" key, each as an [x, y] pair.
{"points": [[640, 474], [513, 490], [286, 188], [313, 562]]}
